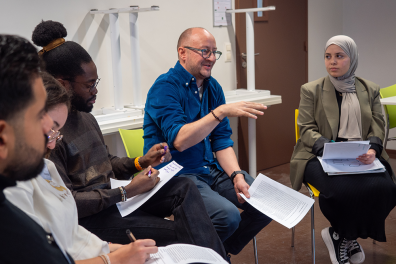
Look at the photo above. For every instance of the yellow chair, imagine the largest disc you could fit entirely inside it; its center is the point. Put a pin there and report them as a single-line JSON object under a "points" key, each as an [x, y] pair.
{"points": [[313, 192], [390, 111], [133, 142]]}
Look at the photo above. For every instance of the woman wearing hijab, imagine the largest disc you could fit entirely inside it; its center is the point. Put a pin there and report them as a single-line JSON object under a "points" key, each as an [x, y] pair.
{"points": [[344, 107]]}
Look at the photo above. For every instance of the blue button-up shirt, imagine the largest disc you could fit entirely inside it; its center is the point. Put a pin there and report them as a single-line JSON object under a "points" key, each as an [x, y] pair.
{"points": [[172, 102]]}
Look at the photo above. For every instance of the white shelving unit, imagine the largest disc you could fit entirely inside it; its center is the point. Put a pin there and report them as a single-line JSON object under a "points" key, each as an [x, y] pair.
{"points": [[251, 80], [120, 116]]}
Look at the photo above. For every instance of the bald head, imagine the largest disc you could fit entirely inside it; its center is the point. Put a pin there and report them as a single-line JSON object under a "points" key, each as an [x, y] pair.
{"points": [[189, 34]]}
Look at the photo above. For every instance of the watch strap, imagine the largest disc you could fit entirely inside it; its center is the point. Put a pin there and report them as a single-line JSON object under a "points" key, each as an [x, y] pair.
{"points": [[235, 173]]}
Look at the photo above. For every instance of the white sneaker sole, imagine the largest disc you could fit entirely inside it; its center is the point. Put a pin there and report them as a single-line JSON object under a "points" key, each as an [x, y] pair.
{"points": [[330, 246], [358, 261]]}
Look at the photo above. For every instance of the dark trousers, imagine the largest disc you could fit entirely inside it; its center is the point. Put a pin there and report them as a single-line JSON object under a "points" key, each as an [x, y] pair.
{"points": [[356, 205], [179, 197], [235, 229]]}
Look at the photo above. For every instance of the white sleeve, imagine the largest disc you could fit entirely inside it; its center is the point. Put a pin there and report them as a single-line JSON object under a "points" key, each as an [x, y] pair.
{"points": [[22, 197], [87, 245]]}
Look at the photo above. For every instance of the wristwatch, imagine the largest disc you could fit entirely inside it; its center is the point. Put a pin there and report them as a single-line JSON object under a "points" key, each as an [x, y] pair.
{"points": [[235, 173]]}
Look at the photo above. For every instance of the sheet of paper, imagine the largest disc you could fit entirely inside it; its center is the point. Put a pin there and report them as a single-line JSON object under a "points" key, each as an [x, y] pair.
{"points": [[283, 204], [219, 8], [345, 150], [350, 166], [133, 203], [184, 254]]}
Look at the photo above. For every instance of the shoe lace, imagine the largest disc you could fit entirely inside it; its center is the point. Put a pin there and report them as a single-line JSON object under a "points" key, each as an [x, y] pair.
{"points": [[344, 250], [352, 244]]}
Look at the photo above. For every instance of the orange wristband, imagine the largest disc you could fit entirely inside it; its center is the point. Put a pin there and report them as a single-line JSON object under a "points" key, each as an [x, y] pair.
{"points": [[137, 165]]}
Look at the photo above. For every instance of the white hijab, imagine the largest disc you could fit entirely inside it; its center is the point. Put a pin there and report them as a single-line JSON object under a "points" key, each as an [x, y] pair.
{"points": [[351, 118]]}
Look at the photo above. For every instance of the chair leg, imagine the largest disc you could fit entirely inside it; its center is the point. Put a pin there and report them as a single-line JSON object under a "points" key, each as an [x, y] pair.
{"points": [[255, 250], [313, 233], [292, 242], [387, 131]]}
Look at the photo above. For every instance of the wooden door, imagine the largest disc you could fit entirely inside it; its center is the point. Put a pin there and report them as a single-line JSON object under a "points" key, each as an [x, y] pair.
{"points": [[281, 67]]}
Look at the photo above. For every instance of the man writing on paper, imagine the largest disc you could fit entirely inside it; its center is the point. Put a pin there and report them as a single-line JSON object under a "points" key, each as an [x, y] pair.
{"points": [[86, 166], [186, 108]]}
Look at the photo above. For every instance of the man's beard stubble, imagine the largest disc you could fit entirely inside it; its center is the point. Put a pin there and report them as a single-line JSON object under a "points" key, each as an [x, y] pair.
{"points": [[27, 164], [79, 104]]}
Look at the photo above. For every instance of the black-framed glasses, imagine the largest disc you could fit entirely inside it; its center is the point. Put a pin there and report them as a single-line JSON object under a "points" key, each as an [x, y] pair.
{"points": [[54, 135], [206, 53], [91, 87]]}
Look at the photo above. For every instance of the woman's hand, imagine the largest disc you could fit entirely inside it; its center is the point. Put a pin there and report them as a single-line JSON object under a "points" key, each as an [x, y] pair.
{"points": [[114, 247], [367, 158], [134, 253]]}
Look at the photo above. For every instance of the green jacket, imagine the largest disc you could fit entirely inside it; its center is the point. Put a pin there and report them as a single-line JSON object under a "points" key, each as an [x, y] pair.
{"points": [[319, 116]]}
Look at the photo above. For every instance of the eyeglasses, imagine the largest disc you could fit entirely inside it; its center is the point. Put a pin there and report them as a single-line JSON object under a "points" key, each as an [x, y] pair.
{"points": [[91, 87], [206, 53], [54, 135]]}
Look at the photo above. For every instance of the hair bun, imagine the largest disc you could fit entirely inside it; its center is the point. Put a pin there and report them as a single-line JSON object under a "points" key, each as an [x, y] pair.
{"points": [[47, 31]]}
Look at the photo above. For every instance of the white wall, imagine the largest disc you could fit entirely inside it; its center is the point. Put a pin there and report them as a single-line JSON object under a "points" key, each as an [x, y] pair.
{"points": [[159, 32], [372, 24], [325, 19]]}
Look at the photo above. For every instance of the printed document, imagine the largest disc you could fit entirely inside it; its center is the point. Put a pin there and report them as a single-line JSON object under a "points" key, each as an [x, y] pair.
{"points": [[283, 204], [133, 203], [340, 158], [184, 254], [350, 166], [345, 150]]}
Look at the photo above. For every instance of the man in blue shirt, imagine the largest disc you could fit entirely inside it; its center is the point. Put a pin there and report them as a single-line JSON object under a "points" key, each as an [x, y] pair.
{"points": [[186, 108]]}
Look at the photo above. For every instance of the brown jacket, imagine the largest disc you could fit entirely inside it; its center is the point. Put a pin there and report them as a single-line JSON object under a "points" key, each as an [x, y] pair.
{"points": [[319, 116]]}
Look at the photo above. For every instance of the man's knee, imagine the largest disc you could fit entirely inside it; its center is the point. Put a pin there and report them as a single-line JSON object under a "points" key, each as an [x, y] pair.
{"points": [[227, 219]]}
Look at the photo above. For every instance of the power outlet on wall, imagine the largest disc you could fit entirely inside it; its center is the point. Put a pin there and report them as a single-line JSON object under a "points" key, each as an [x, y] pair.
{"points": [[228, 52]]}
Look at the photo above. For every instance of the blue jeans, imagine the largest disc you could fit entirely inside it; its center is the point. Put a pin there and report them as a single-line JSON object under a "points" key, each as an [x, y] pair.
{"points": [[234, 229]]}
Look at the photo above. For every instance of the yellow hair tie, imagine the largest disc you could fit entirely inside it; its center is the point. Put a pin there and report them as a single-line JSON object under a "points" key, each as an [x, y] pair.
{"points": [[52, 45]]}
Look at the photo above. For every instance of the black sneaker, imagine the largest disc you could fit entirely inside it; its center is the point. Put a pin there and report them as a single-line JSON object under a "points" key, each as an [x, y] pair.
{"points": [[355, 252], [337, 246]]}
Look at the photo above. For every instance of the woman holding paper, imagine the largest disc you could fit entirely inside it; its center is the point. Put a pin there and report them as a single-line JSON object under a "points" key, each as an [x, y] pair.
{"points": [[47, 201], [344, 107]]}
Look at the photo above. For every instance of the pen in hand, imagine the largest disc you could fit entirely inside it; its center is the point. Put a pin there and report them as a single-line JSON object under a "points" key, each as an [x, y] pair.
{"points": [[130, 235], [165, 148]]}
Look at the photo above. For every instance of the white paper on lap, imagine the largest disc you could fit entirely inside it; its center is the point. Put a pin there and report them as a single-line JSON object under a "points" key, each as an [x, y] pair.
{"points": [[133, 203]]}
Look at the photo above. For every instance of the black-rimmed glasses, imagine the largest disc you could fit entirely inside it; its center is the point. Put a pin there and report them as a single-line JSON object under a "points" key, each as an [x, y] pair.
{"points": [[206, 53], [54, 135], [91, 87]]}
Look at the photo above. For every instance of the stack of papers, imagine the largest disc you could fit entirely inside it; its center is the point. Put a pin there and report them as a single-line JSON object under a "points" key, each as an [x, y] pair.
{"points": [[340, 158]]}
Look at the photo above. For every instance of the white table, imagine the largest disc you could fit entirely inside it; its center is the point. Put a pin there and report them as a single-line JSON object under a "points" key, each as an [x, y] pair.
{"points": [[133, 119], [389, 101]]}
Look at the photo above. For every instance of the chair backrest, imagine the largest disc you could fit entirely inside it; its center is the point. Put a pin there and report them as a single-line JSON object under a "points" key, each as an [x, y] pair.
{"points": [[133, 142], [295, 125], [390, 110], [313, 189]]}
